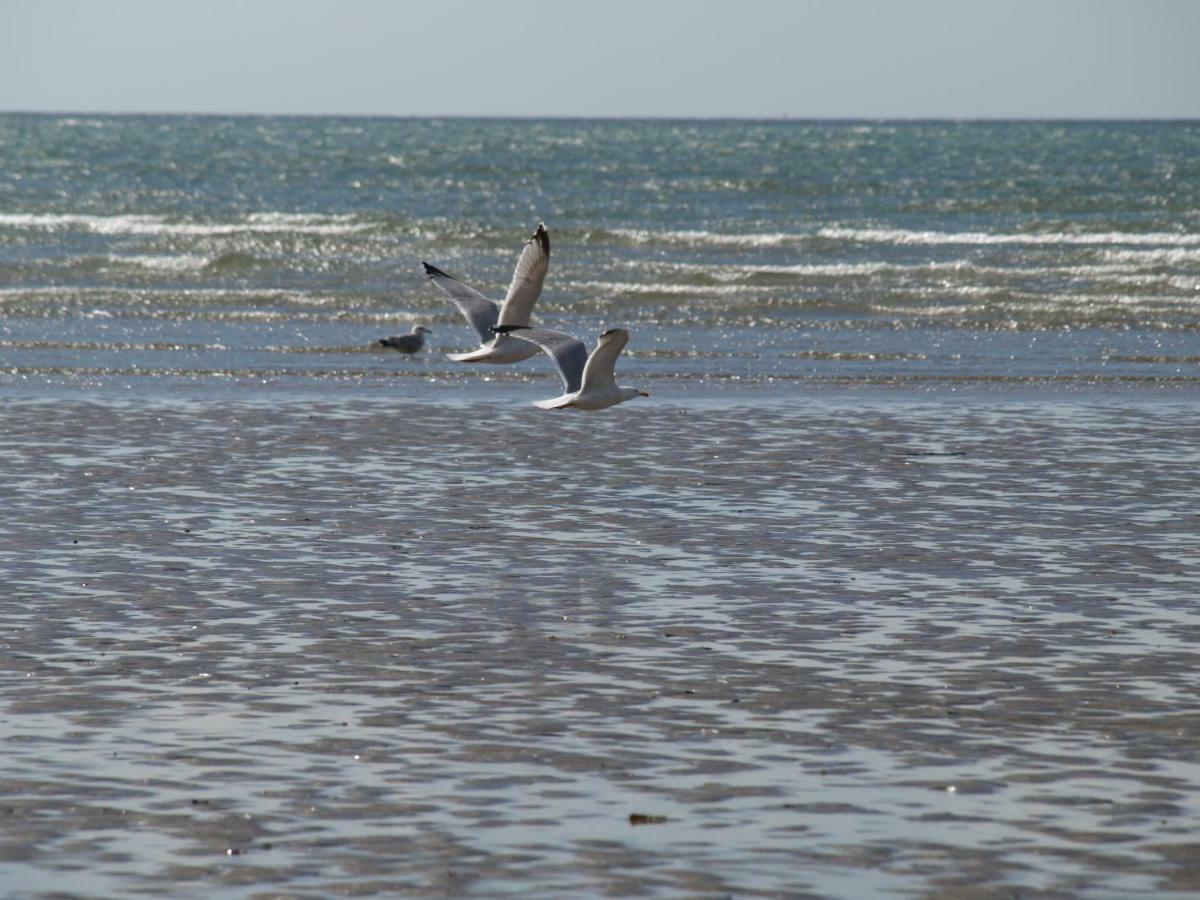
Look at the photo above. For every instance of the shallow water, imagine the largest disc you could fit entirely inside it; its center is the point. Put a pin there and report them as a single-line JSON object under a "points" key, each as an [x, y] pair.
{"points": [[266, 644]]}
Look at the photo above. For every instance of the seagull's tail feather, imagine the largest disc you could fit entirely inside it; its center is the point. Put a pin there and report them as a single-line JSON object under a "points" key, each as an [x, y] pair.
{"points": [[471, 356], [557, 403]]}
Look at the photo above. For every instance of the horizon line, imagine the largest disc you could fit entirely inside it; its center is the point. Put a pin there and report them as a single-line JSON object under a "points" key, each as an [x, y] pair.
{"points": [[572, 117]]}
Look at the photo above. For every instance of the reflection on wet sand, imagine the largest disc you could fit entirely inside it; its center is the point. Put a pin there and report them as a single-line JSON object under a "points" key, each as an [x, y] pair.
{"points": [[838, 652]]}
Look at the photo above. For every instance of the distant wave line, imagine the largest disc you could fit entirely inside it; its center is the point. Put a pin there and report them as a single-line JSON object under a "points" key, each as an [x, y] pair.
{"points": [[646, 236], [897, 236], [340, 224], [262, 223], [1120, 266], [905, 236]]}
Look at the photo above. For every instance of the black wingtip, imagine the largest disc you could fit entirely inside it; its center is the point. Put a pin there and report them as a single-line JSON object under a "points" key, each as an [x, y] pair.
{"points": [[542, 236], [432, 271], [505, 329]]}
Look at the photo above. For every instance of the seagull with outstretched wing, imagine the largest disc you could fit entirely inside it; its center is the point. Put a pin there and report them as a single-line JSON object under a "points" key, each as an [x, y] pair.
{"points": [[588, 380], [482, 313]]}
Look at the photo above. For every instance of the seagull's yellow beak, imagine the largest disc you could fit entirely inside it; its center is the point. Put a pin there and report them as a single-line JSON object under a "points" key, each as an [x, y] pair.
{"points": [[643, 394]]}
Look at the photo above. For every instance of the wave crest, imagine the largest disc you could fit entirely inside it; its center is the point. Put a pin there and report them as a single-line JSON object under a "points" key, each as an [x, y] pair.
{"points": [[255, 223], [906, 236]]}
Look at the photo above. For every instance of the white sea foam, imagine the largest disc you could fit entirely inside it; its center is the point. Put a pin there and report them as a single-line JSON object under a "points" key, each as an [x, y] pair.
{"points": [[45, 290], [837, 270], [905, 236], [1186, 283], [630, 287], [145, 292], [709, 238], [1162, 256], [726, 272], [956, 269], [256, 223]]}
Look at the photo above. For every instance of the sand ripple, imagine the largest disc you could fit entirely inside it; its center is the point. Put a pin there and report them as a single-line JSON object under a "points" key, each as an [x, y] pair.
{"points": [[344, 647]]}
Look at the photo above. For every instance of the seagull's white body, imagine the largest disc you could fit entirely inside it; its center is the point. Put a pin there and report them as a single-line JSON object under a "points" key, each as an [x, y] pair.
{"points": [[592, 400], [482, 314], [502, 350], [588, 380]]}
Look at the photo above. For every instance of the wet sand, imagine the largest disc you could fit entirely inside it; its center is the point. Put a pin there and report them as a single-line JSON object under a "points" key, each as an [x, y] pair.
{"points": [[304, 649]]}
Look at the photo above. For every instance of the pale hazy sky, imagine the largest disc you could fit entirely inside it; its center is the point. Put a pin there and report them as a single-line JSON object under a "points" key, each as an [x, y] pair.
{"points": [[834, 58]]}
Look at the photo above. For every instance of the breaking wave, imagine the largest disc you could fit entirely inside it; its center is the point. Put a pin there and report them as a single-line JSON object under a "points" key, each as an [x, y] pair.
{"points": [[905, 236], [255, 223]]}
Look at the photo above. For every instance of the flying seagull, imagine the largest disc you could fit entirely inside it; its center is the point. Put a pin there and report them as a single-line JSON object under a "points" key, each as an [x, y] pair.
{"points": [[588, 381], [406, 343], [482, 314]]}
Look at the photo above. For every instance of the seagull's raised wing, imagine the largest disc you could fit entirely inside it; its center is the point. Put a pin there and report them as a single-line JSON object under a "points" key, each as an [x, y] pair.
{"points": [[481, 313], [598, 373], [527, 279], [567, 351]]}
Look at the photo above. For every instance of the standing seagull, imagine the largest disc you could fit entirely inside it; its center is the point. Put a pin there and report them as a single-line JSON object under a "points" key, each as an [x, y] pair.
{"points": [[482, 314], [406, 343], [588, 381]]}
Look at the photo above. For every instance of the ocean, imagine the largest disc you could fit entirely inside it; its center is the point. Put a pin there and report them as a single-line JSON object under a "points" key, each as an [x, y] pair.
{"points": [[168, 249], [888, 589]]}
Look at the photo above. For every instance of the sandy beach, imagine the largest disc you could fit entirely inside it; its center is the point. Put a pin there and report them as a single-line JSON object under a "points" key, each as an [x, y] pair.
{"points": [[822, 647]]}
